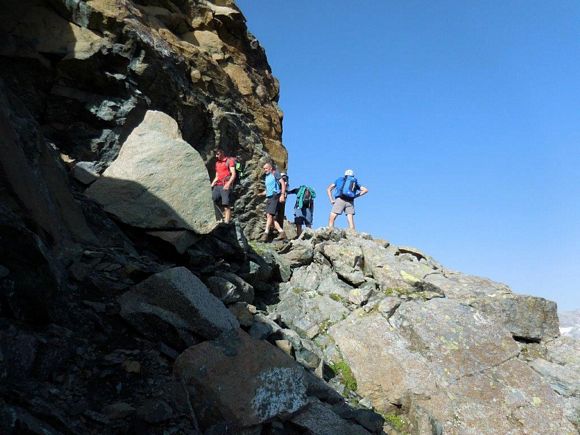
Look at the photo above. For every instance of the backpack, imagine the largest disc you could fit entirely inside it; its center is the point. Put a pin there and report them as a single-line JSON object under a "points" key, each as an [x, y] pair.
{"points": [[304, 197], [346, 187], [238, 166]]}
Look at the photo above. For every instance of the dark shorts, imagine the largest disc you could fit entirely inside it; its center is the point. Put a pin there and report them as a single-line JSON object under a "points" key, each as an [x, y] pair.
{"points": [[272, 204], [221, 196], [303, 216]]}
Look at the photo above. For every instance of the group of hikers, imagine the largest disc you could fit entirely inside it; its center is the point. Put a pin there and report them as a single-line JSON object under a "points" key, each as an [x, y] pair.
{"points": [[341, 193]]}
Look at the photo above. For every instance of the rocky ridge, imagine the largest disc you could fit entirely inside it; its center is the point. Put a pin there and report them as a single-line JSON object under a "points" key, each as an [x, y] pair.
{"points": [[126, 308]]}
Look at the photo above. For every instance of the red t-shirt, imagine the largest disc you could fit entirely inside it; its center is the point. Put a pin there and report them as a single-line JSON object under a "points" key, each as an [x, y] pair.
{"points": [[222, 170]]}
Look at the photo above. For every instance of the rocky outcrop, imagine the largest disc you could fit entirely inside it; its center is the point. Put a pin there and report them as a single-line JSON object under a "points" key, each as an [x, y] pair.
{"points": [[158, 181], [429, 348], [125, 308], [88, 71]]}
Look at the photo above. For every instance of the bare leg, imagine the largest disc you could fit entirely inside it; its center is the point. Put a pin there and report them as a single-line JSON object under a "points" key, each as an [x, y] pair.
{"points": [[269, 219], [350, 218], [276, 224], [331, 219], [227, 214], [298, 230]]}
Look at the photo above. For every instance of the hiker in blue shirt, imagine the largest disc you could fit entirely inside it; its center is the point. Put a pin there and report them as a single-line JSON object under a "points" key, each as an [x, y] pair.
{"points": [[304, 207], [275, 193], [342, 194]]}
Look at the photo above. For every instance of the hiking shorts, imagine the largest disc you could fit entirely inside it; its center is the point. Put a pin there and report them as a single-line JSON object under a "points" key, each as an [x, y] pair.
{"points": [[272, 204], [221, 196], [343, 205], [303, 216]]}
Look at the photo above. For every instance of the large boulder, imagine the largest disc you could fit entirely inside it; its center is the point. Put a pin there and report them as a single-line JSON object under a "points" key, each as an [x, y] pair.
{"points": [[175, 303], [158, 181], [452, 365], [249, 380], [527, 317], [560, 367]]}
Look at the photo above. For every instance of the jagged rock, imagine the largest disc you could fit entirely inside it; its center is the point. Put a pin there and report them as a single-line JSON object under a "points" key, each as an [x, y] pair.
{"points": [[561, 369], [319, 419], [308, 312], [34, 178], [526, 317], [178, 298], [360, 296], [459, 286], [285, 346], [322, 279], [298, 252], [181, 240], [347, 261], [272, 383], [158, 181], [453, 363], [240, 292], [383, 363], [85, 172], [241, 310]]}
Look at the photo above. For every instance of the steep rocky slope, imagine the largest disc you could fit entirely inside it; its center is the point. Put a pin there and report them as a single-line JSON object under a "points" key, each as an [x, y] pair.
{"points": [[126, 308]]}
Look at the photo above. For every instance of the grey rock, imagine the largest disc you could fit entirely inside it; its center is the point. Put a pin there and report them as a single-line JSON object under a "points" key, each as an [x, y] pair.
{"points": [[360, 295], [319, 419], [180, 239], [347, 260], [459, 286], [158, 181], [86, 172], [242, 291], [242, 312], [272, 383], [299, 252], [179, 298], [526, 317], [309, 313]]}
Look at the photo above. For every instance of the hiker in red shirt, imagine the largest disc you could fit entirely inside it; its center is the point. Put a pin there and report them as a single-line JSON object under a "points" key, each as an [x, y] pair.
{"points": [[222, 184]]}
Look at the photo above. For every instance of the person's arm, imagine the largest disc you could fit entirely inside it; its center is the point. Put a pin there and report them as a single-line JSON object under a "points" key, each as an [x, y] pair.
{"points": [[214, 180], [232, 178], [329, 192], [283, 187], [363, 191], [293, 191]]}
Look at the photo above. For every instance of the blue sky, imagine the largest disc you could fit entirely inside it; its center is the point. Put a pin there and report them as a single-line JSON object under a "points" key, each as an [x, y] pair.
{"points": [[461, 118]]}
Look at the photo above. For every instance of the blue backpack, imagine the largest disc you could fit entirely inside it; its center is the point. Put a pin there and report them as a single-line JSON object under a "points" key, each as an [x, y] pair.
{"points": [[346, 187]]}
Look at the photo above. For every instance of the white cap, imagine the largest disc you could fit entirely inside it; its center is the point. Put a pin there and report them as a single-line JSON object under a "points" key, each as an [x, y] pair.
{"points": [[349, 173]]}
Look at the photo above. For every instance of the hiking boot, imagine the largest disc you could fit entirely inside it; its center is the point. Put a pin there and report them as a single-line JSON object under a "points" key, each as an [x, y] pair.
{"points": [[281, 236]]}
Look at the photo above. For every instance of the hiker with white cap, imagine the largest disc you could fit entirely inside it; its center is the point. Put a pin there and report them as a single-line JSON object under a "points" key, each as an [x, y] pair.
{"points": [[342, 194]]}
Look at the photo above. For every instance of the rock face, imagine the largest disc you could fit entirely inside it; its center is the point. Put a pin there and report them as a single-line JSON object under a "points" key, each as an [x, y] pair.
{"points": [[251, 381], [124, 308], [88, 71], [158, 181], [444, 347]]}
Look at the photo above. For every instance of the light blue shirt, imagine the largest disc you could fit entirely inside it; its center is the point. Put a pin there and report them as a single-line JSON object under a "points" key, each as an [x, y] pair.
{"points": [[272, 185]]}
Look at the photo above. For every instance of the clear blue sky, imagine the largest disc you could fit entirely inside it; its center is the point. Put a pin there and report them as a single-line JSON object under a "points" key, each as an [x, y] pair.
{"points": [[462, 118]]}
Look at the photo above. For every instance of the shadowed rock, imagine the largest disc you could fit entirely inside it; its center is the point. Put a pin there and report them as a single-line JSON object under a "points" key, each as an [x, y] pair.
{"points": [[157, 163], [251, 381], [176, 297]]}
